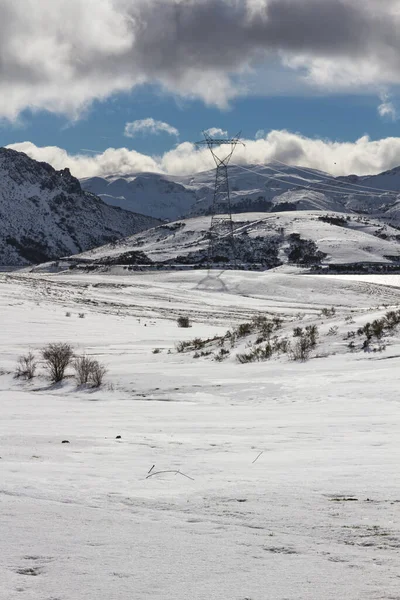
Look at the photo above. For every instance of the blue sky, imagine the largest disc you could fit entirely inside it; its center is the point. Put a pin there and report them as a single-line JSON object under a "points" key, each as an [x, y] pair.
{"points": [[336, 117]]}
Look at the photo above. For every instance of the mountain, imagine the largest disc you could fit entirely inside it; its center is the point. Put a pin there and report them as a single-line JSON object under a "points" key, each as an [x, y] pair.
{"points": [[303, 238], [148, 193], [45, 214], [268, 188]]}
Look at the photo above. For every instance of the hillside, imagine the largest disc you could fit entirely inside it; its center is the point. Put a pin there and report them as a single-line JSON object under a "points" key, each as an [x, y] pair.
{"points": [[304, 238], [45, 214], [254, 188]]}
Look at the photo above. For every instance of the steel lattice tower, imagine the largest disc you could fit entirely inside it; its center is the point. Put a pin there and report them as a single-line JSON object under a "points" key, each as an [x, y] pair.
{"points": [[221, 211]]}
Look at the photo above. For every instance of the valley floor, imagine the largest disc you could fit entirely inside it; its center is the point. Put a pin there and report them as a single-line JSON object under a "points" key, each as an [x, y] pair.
{"points": [[267, 481]]}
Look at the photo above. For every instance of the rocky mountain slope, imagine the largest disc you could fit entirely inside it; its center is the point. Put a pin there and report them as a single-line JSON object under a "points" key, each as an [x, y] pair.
{"points": [[255, 188], [45, 214]]}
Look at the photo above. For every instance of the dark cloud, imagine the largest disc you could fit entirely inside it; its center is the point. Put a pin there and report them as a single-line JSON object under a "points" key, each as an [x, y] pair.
{"points": [[61, 54]]}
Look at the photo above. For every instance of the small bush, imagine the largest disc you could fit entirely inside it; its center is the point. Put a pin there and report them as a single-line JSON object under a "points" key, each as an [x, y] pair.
{"points": [[392, 318], [312, 334], [81, 315], [333, 330], [26, 366], [198, 343], [57, 357], [223, 353], [328, 312], [306, 340], [182, 346], [281, 346], [244, 329], [97, 374], [256, 354], [378, 328], [68, 314], [83, 367], [156, 350], [301, 349], [183, 321], [89, 370]]}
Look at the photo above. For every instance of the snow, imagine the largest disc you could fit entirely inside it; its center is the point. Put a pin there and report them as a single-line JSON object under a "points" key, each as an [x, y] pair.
{"points": [[175, 197], [357, 241], [268, 454], [45, 214]]}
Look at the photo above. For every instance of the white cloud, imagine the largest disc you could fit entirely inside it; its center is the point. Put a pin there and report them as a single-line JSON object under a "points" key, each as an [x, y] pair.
{"points": [[260, 134], [149, 126], [56, 55], [387, 108], [364, 156], [216, 132]]}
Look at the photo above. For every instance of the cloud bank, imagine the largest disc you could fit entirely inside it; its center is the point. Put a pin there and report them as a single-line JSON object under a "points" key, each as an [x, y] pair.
{"points": [[150, 126], [61, 55], [362, 157]]}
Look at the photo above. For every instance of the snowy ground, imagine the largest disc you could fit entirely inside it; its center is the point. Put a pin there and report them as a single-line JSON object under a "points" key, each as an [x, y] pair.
{"points": [[314, 517]]}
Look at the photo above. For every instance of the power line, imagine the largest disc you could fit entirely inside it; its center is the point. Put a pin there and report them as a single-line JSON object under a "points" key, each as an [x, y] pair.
{"points": [[326, 186], [330, 177], [331, 189]]}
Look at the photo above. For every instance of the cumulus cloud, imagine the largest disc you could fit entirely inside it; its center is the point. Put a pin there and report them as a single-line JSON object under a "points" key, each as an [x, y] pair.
{"points": [[364, 156], [387, 108], [62, 55], [149, 126], [216, 132]]}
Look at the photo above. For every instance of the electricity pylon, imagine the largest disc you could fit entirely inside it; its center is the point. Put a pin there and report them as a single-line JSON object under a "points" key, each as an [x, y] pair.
{"points": [[221, 211]]}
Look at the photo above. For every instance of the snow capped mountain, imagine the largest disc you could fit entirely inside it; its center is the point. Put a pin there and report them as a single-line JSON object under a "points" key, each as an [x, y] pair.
{"points": [[254, 188], [148, 193], [303, 238], [45, 214]]}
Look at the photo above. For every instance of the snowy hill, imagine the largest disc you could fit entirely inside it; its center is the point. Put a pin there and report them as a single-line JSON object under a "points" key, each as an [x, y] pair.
{"points": [[303, 238], [253, 188], [45, 214]]}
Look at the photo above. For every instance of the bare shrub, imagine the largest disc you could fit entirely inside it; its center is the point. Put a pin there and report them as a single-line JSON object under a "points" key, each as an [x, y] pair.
{"points": [[243, 329], [57, 357], [82, 367], [378, 328], [26, 366], [328, 312], [68, 314], [183, 321], [257, 353], [312, 334], [306, 340], [97, 374], [81, 315], [301, 349], [223, 353], [89, 370]]}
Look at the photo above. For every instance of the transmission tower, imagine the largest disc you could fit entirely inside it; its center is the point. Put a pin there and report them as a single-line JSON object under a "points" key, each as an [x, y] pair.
{"points": [[221, 212]]}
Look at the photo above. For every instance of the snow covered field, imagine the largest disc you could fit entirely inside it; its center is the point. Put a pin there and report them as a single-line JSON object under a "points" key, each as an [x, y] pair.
{"points": [[288, 485]]}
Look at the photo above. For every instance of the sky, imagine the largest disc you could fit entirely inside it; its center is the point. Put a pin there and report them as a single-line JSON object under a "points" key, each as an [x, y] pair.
{"points": [[109, 87]]}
